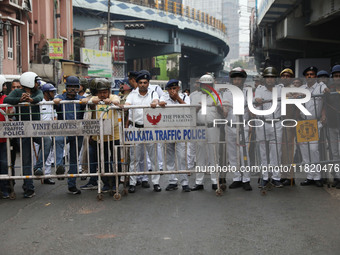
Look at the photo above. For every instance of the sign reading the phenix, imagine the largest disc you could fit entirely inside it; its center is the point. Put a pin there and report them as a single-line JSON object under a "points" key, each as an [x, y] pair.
{"points": [[170, 117]]}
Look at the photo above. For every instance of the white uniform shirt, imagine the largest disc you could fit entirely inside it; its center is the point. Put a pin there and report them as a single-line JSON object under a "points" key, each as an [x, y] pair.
{"points": [[136, 115], [166, 98], [314, 105], [47, 112], [212, 110], [227, 101], [157, 89], [267, 95]]}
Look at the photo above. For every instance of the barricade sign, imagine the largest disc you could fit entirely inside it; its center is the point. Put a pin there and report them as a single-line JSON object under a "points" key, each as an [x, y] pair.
{"points": [[307, 131], [164, 135], [169, 117], [11, 129]]}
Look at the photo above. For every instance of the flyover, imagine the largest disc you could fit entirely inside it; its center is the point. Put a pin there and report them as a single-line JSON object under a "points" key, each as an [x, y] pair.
{"points": [[199, 38]]}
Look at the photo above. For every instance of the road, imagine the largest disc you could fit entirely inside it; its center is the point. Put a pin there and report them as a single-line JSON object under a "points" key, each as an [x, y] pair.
{"points": [[292, 220]]}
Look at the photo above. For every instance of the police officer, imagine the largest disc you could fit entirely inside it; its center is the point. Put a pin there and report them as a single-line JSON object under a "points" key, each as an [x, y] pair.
{"points": [[207, 152], [237, 77], [143, 96], [323, 76], [332, 105], [175, 150], [310, 150], [271, 131]]}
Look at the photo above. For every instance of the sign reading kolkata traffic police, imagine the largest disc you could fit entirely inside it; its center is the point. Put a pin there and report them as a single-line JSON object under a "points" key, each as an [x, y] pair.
{"points": [[11, 129]]}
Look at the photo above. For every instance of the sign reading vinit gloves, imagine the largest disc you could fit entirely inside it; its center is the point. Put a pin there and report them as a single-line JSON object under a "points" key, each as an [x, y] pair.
{"points": [[170, 117], [10, 129]]}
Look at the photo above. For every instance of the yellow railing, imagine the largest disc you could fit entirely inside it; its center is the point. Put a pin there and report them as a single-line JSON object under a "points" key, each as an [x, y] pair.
{"points": [[180, 9]]}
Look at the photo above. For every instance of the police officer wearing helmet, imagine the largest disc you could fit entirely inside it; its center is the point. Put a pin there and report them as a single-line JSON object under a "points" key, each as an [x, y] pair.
{"points": [[332, 105], [310, 150], [31, 94], [102, 101], [207, 152], [47, 113], [237, 77], [270, 132], [174, 97], [71, 111]]}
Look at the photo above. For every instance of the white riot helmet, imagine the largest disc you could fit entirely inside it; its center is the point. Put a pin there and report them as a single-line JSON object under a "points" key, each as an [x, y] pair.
{"points": [[207, 79], [2, 82], [28, 79]]}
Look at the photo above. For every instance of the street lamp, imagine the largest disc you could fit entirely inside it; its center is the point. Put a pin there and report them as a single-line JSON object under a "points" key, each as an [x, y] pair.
{"points": [[7, 25]]}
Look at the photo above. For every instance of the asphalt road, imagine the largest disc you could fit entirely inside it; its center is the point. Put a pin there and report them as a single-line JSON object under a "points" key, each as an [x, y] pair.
{"points": [[292, 220]]}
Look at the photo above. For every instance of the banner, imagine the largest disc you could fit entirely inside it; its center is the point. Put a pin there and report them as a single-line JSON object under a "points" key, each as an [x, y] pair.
{"points": [[170, 117], [100, 62], [11, 129], [55, 48], [164, 135]]}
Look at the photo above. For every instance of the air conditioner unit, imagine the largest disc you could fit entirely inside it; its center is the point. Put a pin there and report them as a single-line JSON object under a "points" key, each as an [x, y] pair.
{"points": [[45, 59]]}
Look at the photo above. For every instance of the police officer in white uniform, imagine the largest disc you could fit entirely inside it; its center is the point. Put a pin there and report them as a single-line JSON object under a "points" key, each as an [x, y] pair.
{"points": [[144, 96], [271, 131], [175, 150], [237, 77], [310, 150], [207, 152]]}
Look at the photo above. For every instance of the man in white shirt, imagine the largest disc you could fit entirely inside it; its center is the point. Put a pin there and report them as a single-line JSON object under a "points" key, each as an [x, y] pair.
{"points": [[47, 113], [207, 153], [310, 150], [144, 96], [271, 131], [174, 97], [237, 78]]}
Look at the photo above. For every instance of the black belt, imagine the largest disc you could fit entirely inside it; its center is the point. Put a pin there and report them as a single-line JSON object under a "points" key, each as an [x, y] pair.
{"points": [[136, 125]]}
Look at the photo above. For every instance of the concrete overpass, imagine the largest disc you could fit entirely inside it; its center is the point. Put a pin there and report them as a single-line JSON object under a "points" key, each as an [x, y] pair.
{"points": [[285, 30], [200, 39]]}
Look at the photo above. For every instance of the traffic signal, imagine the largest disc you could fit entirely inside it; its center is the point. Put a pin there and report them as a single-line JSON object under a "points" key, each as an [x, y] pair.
{"points": [[134, 26]]}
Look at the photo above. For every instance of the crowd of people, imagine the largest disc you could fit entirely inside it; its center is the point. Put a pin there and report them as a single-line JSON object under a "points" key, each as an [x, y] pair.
{"points": [[269, 143]]}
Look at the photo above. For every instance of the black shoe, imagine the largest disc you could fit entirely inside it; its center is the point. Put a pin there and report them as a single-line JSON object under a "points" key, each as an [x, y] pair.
{"points": [[277, 184], [338, 185], [335, 182], [60, 170], [197, 187], [235, 185], [214, 186], [157, 188], [318, 183], [171, 187], [38, 172], [307, 182], [186, 188], [288, 182], [132, 189], [74, 191], [29, 193], [49, 181], [138, 183], [247, 187], [145, 184]]}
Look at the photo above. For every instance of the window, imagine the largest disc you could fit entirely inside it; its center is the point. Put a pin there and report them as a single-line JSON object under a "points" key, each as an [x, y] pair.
{"points": [[10, 43]]}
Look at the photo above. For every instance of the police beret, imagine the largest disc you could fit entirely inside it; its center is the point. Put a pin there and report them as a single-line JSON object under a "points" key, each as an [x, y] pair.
{"points": [[143, 76], [322, 73], [171, 83], [132, 74], [311, 68]]}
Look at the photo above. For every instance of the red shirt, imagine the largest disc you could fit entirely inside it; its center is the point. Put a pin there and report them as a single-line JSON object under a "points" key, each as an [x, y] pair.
{"points": [[2, 117]]}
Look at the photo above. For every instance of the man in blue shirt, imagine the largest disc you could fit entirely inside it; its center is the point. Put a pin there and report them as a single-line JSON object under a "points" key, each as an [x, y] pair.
{"points": [[69, 112]]}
